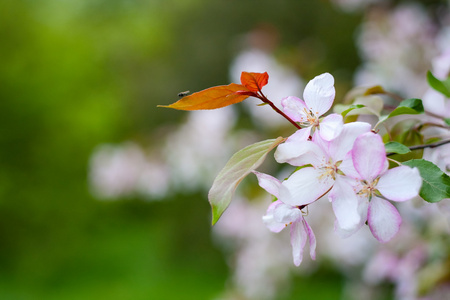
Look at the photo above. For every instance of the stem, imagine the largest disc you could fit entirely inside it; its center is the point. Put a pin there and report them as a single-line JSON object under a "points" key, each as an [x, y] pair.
{"points": [[418, 147], [394, 161], [264, 99]]}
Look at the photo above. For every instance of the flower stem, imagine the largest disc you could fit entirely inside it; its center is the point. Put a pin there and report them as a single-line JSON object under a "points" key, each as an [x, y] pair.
{"points": [[264, 99]]}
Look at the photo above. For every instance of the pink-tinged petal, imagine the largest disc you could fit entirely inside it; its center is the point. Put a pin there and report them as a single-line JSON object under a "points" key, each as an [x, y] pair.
{"points": [[269, 183], [384, 219], [319, 94], [295, 108], [369, 155], [312, 240], [345, 204], [341, 145], [331, 126], [363, 205], [348, 168], [269, 219], [286, 214], [292, 147], [305, 186], [400, 183], [298, 241], [299, 153]]}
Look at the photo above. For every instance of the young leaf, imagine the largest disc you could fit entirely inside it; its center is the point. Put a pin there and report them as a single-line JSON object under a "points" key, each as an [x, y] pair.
{"points": [[350, 108], [212, 98], [254, 81], [396, 147], [436, 184], [236, 169], [408, 107], [378, 89], [437, 84]]}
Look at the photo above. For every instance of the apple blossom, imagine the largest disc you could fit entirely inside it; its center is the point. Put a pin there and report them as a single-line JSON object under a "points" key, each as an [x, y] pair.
{"points": [[374, 184], [326, 158], [279, 215], [318, 98]]}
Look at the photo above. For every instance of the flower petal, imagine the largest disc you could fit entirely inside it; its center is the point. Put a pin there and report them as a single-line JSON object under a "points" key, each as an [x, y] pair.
{"points": [[269, 183], [345, 204], [331, 127], [312, 240], [269, 219], [298, 241], [341, 145], [400, 183], [369, 155], [295, 108], [384, 219], [319, 94], [305, 186], [297, 151], [348, 168], [286, 214]]}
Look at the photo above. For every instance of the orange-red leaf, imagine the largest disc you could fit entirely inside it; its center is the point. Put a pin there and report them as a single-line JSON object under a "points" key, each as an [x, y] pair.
{"points": [[254, 81], [212, 98]]}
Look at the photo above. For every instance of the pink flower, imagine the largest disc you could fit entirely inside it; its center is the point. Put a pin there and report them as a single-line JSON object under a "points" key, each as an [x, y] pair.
{"points": [[280, 215], [319, 96], [323, 160], [374, 184]]}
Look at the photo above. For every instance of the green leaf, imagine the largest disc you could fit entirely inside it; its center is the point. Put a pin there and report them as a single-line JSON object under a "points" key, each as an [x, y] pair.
{"points": [[436, 184], [237, 168], [408, 107], [396, 147], [411, 106], [447, 121], [438, 85], [350, 108]]}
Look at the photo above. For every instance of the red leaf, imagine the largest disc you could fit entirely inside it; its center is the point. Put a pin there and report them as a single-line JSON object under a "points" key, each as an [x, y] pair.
{"points": [[254, 81], [212, 98]]}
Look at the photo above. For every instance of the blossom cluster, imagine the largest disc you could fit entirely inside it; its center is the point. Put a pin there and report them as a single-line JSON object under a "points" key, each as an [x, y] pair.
{"points": [[346, 163]]}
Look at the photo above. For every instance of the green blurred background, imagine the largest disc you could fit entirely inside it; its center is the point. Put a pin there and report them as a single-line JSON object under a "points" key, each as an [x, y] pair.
{"points": [[76, 74]]}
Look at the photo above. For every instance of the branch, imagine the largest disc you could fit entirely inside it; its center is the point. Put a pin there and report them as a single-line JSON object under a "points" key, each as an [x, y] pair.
{"points": [[418, 147], [265, 100]]}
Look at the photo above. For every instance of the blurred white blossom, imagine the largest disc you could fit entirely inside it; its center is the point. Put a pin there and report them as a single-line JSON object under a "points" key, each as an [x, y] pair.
{"points": [[124, 170], [396, 47]]}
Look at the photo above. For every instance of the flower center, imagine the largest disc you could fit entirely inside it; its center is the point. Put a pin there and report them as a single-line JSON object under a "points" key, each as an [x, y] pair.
{"points": [[311, 118], [368, 188], [329, 169]]}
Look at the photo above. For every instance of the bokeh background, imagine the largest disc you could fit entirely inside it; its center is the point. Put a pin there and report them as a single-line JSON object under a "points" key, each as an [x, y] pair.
{"points": [[104, 196]]}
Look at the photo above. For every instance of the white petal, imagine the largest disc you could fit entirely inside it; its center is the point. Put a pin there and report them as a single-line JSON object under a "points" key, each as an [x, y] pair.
{"points": [[369, 155], [284, 213], [331, 127], [319, 94], [298, 241], [400, 183], [341, 145], [312, 240], [299, 152], [305, 186], [269, 183], [384, 219], [295, 108], [347, 167], [269, 219], [345, 204]]}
